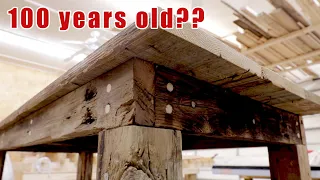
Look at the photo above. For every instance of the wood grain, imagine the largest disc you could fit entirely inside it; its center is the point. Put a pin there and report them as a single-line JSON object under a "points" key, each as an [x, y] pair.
{"points": [[85, 162], [189, 51], [289, 162], [204, 109], [134, 152], [78, 114]]}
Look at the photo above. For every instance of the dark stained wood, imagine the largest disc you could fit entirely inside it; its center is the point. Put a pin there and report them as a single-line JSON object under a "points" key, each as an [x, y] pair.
{"points": [[84, 170], [2, 160], [193, 142], [289, 162], [204, 109]]}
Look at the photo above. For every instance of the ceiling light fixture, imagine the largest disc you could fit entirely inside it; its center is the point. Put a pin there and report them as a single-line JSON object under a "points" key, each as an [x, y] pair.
{"points": [[288, 67], [79, 57], [53, 50], [316, 2], [241, 30], [252, 11], [309, 61]]}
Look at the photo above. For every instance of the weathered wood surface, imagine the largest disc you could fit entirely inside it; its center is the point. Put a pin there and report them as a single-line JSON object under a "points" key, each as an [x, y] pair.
{"points": [[193, 52], [136, 93], [85, 162], [76, 145], [289, 162], [105, 102], [134, 152], [2, 159], [204, 109]]}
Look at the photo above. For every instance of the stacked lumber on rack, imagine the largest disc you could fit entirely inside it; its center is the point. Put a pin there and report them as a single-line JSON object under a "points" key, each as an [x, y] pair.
{"points": [[282, 40]]}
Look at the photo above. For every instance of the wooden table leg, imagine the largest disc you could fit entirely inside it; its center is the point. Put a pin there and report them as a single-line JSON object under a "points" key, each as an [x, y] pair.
{"points": [[289, 162], [2, 159], [85, 166], [135, 152]]}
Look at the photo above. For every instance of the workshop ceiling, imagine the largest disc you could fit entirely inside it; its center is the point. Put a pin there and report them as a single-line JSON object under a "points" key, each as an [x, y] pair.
{"points": [[56, 50]]}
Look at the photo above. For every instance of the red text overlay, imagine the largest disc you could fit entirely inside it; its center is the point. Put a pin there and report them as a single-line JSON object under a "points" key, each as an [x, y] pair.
{"points": [[27, 18]]}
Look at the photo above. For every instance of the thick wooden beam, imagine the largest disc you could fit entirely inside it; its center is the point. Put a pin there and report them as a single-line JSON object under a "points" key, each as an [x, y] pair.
{"points": [[85, 161], [105, 102], [141, 93], [134, 152], [196, 107], [2, 160], [82, 144], [289, 162]]}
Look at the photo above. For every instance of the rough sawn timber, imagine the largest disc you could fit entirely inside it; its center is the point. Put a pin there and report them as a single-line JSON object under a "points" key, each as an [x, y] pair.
{"points": [[134, 152], [135, 93], [189, 51]]}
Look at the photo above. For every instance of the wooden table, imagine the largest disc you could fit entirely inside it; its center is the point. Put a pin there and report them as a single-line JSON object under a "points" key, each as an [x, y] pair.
{"points": [[146, 95]]}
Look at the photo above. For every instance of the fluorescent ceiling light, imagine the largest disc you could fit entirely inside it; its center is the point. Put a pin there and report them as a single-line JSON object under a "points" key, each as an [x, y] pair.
{"points": [[299, 74], [252, 11], [35, 45], [233, 40], [279, 67], [316, 2], [288, 67], [241, 30], [79, 57], [309, 61], [315, 68]]}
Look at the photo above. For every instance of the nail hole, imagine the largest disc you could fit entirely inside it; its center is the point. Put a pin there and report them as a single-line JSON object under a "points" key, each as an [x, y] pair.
{"points": [[107, 108], [109, 88], [193, 104], [29, 133], [170, 87], [169, 109]]}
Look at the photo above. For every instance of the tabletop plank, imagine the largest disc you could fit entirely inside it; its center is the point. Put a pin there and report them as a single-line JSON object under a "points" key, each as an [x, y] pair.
{"points": [[194, 52]]}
